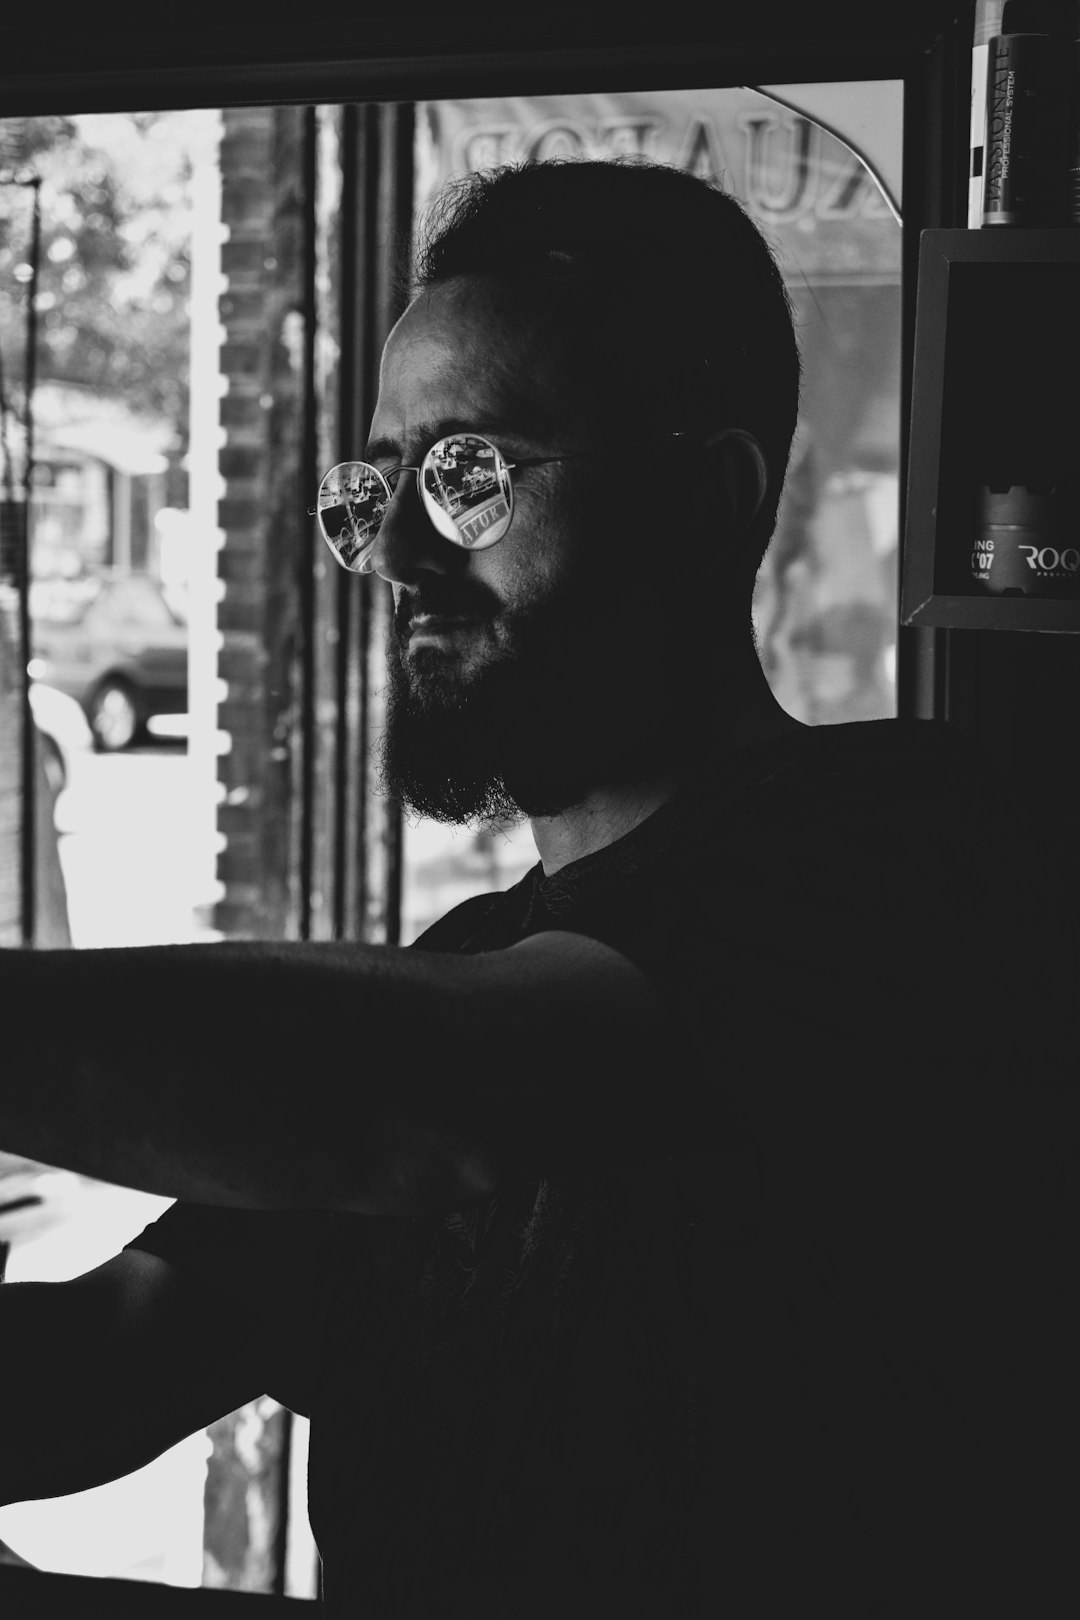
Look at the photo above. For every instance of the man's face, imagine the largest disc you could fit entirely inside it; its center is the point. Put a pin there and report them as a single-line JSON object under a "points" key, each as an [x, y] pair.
{"points": [[519, 675]]}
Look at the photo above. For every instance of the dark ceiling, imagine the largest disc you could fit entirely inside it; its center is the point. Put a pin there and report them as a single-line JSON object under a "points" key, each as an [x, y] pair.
{"points": [[65, 57]]}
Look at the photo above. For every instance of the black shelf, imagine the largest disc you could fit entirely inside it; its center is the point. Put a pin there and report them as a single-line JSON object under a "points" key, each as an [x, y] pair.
{"points": [[996, 390]]}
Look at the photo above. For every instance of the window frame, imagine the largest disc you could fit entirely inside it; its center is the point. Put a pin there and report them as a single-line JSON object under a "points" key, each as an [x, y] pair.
{"points": [[120, 65]]}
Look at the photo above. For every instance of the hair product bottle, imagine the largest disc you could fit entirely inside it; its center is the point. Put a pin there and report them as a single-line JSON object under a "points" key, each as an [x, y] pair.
{"points": [[1030, 115], [1024, 542]]}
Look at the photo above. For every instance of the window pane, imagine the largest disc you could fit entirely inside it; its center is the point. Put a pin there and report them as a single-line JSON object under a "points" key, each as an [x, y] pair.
{"points": [[825, 607], [123, 603]]}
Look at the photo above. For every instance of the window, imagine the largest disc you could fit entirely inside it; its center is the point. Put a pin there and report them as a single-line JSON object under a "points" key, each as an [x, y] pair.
{"points": [[825, 609], [249, 247]]}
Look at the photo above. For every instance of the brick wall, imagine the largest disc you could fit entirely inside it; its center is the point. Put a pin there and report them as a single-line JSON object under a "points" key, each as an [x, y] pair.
{"points": [[290, 220], [261, 514]]}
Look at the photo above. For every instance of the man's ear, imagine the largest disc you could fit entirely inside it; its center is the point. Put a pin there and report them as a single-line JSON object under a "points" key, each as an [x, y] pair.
{"points": [[739, 473], [730, 493]]}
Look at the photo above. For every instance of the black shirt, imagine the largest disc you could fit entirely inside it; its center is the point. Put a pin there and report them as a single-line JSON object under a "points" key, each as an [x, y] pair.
{"points": [[796, 1332]]}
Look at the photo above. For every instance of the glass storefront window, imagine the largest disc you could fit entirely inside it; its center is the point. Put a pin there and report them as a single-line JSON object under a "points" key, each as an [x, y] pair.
{"points": [[172, 307]]}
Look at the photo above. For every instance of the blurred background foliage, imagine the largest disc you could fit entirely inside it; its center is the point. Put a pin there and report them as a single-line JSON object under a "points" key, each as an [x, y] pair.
{"points": [[114, 272]]}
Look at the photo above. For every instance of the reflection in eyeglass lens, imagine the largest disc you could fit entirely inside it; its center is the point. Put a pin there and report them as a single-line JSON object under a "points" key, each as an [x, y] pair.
{"points": [[352, 501], [467, 493]]}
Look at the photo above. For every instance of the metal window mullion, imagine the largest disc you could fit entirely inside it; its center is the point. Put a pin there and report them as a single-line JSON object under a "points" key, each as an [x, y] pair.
{"points": [[936, 107], [28, 823], [396, 203], [351, 775], [377, 179], [309, 478]]}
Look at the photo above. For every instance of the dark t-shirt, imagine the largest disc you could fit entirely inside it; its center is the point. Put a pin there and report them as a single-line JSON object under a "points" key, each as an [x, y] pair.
{"points": [[800, 1333]]}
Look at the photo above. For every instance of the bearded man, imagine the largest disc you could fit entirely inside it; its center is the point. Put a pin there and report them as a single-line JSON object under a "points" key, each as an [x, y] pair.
{"points": [[663, 1236]]}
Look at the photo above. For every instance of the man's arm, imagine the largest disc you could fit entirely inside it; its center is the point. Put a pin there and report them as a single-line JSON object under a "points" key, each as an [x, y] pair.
{"points": [[102, 1374], [360, 1078]]}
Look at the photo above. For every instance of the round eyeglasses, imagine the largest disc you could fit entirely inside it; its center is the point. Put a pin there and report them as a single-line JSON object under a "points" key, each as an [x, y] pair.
{"points": [[464, 484], [465, 487]]}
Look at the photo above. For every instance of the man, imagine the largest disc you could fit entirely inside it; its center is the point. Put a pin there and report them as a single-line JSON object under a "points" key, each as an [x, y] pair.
{"points": [[667, 1236]]}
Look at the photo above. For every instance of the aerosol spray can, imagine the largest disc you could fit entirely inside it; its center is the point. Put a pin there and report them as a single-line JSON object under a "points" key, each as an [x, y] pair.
{"points": [[1030, 115]]}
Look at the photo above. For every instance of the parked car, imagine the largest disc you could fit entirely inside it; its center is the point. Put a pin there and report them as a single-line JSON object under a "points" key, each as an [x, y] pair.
{"points": [[117, 645]]}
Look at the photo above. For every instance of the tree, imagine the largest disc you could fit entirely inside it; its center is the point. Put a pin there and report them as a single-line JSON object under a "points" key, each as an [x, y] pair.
{"points": [[114, 268]]}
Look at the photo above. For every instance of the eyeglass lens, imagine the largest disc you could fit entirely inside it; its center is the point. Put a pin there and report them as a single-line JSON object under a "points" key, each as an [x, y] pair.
{"points": [[352, 499], [464, 485]]}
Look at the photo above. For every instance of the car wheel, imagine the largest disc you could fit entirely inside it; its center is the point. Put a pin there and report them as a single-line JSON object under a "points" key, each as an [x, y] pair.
{"points": [[113, 716]]}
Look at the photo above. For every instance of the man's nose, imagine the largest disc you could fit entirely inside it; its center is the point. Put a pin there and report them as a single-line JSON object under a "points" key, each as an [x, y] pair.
{"points": [[408, 545]]}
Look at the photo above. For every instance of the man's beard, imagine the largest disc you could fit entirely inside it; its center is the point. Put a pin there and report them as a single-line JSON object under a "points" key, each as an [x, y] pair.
{"points": [[555, 707]]}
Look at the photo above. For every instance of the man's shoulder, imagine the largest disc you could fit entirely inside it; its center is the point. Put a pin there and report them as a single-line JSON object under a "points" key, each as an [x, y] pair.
{"points": [[860, 773], [880, 793], [816, 781], [880, 754]]}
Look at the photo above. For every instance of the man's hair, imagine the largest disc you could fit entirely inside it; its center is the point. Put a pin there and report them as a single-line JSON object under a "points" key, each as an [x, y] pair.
{"points": [[666, 276]]}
